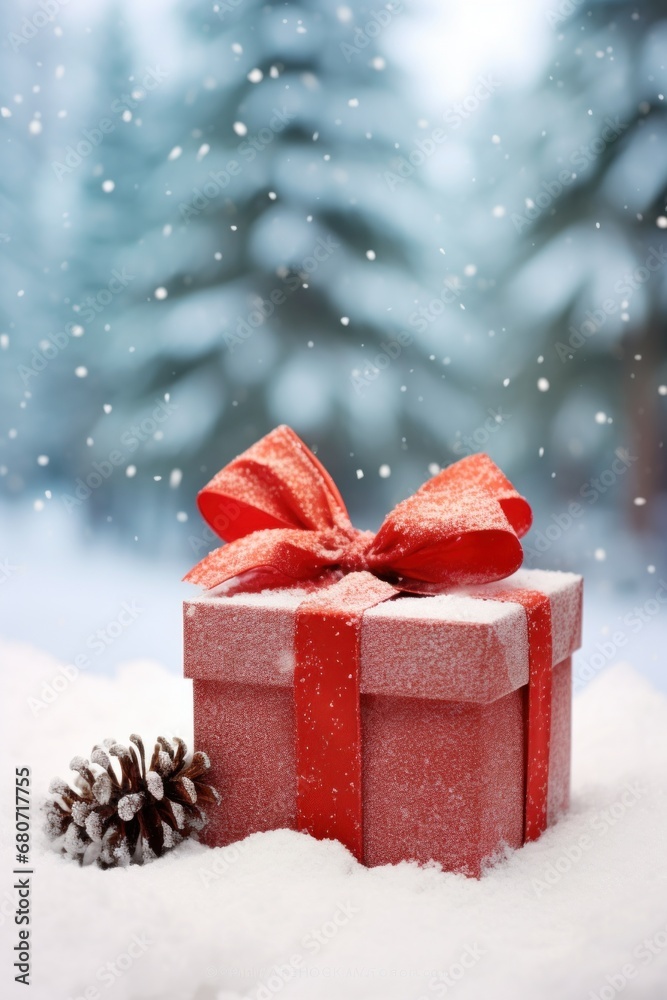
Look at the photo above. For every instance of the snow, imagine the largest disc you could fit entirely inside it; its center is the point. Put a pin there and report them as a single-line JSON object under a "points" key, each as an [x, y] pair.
{"points": [[581, 909]]}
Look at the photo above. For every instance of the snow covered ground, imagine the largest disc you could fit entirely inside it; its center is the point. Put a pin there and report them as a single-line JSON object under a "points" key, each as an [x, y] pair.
{"points": [[580, 913]]}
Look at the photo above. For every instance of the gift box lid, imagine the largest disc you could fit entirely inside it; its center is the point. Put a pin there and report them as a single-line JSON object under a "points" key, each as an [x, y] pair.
{"points": [[454, 647]]}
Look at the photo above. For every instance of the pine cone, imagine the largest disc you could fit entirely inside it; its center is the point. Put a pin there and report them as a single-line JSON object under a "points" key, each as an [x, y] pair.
{"points": [[133, 817]]}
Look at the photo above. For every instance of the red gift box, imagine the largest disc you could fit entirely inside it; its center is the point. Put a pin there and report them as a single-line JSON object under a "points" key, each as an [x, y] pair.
{"points": [[389, 696]]}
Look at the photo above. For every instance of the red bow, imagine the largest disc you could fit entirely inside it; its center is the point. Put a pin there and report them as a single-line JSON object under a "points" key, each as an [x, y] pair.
{"points": [[280, 511]]}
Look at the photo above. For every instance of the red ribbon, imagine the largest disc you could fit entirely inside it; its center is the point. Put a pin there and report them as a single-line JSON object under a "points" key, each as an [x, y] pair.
{"points": [[284, 521], [328, 718]]}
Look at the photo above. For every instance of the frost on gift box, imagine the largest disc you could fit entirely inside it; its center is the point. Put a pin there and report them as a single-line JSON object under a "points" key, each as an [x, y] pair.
{"points": [[408, 692], [444, 711]]}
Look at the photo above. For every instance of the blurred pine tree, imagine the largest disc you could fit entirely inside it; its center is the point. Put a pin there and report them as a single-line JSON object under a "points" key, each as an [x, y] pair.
{"points": [[27, 289], [263, 233], [589, 172], [278, 263]]}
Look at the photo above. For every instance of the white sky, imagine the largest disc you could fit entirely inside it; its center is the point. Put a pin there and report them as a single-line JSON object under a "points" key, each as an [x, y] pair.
{"points": [[446, 46]]}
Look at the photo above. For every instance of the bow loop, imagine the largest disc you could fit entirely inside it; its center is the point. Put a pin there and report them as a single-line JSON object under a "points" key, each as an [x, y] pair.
{"points": [[461, 527], [281, 513], [479, 470], [276, 483]]}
